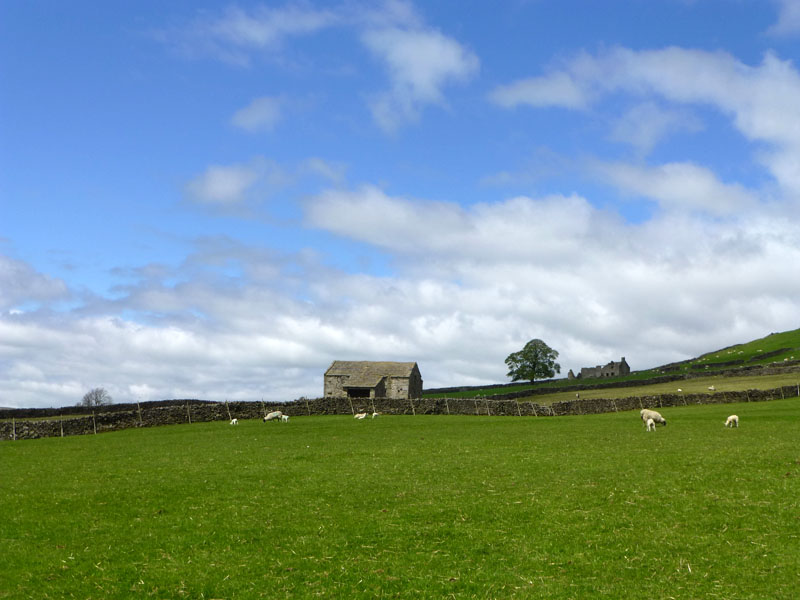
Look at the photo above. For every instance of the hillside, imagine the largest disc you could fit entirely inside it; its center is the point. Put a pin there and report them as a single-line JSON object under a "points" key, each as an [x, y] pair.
{"points": [[774, 348]]}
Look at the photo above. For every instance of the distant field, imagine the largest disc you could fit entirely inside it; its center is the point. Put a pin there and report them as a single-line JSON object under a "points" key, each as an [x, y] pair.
{"points": [[697, 385], [411, 507]]}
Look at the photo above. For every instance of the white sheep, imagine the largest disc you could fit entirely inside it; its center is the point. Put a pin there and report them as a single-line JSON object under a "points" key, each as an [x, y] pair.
{"points": [[274, 415], [651, 414], [711, 388], [285, 418], [360, 415], [651, 425], [375, 414], [732, 421], [234, 421]]}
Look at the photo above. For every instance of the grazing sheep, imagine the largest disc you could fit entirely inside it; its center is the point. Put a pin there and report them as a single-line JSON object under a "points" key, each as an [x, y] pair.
{"points": [[360, 415], [732, 421], [234, 421], [711, 388], [285, 418], [274, 415], [680, 390], [375, 414], [651, 414], [651, 425]]}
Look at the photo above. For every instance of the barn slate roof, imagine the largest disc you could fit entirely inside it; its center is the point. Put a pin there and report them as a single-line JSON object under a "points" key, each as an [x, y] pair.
{"points": [[365, 373]]}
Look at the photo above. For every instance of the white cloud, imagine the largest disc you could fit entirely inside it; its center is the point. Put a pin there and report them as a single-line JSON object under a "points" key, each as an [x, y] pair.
{"points": [[646, 124], [21, 284], [788, 18], [679, 186], [231, 186], [763, 101], [223, 185], [261, 115], [559, 89], [235, 34], [420, 63]]}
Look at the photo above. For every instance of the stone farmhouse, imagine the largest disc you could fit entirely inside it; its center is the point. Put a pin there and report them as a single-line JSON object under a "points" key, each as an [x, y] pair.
{"points": [[367, 379], [612, 369]]}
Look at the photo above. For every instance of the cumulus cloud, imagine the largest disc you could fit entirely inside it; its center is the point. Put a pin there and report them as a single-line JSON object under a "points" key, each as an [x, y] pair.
{"points": [[762, 101], [647, 124], [788, 18], [558, 89], [237, 32], [20, 284], [261, 115], [681, 186], [230, 186], [420, 63]]}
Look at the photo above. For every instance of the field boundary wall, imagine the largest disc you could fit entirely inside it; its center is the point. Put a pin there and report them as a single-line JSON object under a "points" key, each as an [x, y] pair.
{"points": [[172, 412]]}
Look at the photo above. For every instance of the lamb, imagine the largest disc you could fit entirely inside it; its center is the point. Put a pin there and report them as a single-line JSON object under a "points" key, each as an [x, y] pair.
{"points": [[274, 415], [360, 415], [711, 388], [651, 425], [651, 414], [375, 414], [285, 418], [732, 421], [234, 421]]}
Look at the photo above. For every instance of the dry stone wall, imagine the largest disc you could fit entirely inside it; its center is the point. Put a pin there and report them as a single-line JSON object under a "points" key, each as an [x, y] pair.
{"points": [[153, 414]]}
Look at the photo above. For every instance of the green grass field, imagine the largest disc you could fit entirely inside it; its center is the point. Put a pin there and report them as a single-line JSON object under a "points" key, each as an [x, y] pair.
{"points": [[411, 507]]}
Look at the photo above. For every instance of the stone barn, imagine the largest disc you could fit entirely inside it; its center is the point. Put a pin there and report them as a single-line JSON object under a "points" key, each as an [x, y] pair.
{"points": [[367, 379]]}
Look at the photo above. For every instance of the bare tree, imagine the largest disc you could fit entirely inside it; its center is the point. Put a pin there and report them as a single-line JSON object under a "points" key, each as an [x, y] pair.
{"points": [[96, 397]]}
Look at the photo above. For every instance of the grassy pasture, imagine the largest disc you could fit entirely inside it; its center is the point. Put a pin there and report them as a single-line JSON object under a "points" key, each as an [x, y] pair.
{"points": [[695, 385], [411, 507]]}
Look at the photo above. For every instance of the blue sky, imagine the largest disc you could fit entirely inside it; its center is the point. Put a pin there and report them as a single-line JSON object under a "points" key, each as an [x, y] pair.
{"points": [[216, 200]]}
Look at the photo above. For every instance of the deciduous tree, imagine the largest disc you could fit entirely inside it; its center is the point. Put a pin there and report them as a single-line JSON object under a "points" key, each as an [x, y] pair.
{"points": [[96, 397], [535, 361]]}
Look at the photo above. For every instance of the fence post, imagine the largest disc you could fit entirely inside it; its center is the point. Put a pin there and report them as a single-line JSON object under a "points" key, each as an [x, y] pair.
{"points": [[615, 405], [14, 429], [62, 427], [659, 402], [747, 395], [476, 408], [519, 412], [413, 412], [139, 408], [782, 397], [488, 411], [447, 404], [533, 407], [228, 408], [94, 423], [188, 412], [350, 400]]}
